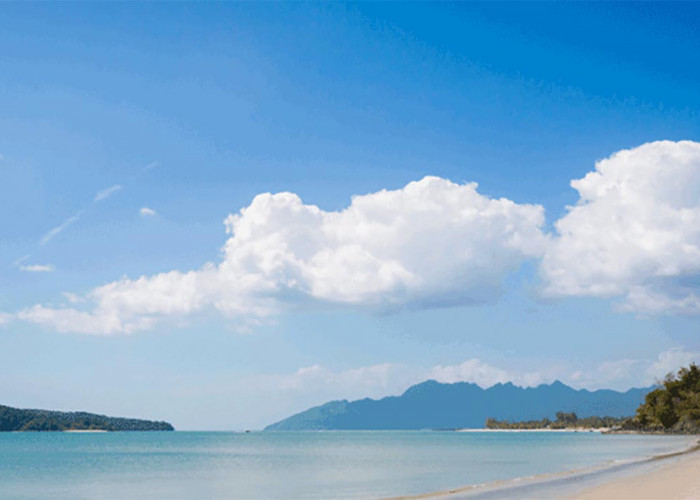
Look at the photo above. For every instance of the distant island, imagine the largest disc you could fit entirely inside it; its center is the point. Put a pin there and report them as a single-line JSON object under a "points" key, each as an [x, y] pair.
{"points": [[15, 419], [434, 405]]}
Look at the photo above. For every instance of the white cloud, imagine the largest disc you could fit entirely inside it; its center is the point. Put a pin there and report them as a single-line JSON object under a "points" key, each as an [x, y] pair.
{"points": [[670, 361], [624, 373], [483, 374], [101, 195], [5, 318], [107, 192], [147, 212], [635, 231], [619, 374], [71, 320], [58, 229], [73, 298], [433, 243], [616, 374], [317, 384], [21, 259], [365, 381], [634, 235], [288, 393], [390, 378], [37, 268]]}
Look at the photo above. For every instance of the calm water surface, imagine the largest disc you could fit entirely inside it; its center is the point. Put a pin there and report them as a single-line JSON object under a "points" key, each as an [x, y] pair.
{"points": [[289, 465]]}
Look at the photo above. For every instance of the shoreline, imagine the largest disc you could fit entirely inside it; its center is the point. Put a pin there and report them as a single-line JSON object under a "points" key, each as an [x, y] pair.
{"points": [[609, 480], [667, 478], [88, 431], [601, 430]]}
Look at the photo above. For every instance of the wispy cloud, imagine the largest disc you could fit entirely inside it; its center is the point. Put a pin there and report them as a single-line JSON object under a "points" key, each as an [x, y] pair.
{"points": [[73, 298], [58, 229], [107, 192], [144, 170], [37, 268], [99, 196], [5, 318], [147, 212], [20, 260]]}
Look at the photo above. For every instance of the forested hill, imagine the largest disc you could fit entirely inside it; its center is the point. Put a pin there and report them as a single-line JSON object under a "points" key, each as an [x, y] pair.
{"points": [[674, 407], [433, 405], [14, 419]]}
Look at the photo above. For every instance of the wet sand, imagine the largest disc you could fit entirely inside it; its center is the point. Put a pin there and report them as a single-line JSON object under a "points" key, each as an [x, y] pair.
{"points": [[665, 477], [678, 479]]}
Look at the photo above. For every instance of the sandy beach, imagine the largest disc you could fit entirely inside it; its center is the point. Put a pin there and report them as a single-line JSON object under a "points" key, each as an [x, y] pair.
{"points": [[673, 479], [665, 477]]}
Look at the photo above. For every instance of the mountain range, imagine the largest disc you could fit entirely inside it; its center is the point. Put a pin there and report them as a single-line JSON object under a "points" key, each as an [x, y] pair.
{"points": [[434, 405]]}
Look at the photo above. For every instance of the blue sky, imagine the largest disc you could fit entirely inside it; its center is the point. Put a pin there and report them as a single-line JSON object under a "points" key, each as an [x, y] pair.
{"points": [[193, 110]]}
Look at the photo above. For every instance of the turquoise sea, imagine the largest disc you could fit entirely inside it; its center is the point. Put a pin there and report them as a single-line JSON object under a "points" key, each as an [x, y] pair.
{"points": [[289, 465]]}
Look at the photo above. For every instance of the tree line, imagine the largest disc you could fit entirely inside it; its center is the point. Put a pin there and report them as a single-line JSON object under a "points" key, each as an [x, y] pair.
{"points": [[564, 420]]}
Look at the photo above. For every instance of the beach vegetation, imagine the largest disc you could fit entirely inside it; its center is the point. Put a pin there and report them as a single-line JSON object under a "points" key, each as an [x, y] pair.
{"points": [[564, 420], [673, 407]]}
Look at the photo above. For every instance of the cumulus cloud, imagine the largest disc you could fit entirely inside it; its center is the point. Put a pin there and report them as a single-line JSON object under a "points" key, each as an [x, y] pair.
{"points": [[671, 361], [432, 243], [147, 212], [634, 233], [37, 268], [107, 192]]}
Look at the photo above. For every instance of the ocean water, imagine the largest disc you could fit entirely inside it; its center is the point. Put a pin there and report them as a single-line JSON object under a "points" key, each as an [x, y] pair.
{"points": [[290, 465]]}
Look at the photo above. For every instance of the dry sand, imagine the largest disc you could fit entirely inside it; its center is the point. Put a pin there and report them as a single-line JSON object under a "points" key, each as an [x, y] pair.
{"points": [[677, 480]]}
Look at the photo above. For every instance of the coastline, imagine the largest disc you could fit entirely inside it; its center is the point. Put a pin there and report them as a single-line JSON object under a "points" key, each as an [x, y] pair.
{"points": [[601, 430], [667, 476], [674, 478], [85, 431]]}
